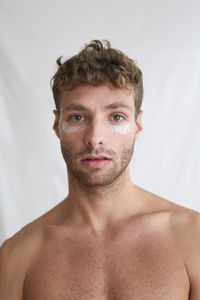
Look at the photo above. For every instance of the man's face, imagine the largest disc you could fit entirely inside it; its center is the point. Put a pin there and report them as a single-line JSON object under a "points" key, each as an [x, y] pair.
{"points": [[97, 121]]}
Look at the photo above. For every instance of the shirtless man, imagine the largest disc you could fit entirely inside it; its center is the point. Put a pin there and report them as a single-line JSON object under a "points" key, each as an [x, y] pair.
{"points": [[109, 239]]}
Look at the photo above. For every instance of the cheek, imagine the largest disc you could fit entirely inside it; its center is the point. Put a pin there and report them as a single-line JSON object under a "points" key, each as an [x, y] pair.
{"points": [[67, 128], [124, 129]]}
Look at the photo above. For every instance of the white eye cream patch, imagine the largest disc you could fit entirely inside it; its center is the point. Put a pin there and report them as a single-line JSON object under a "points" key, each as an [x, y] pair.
{"points": [[122, 129], [70, 128]]}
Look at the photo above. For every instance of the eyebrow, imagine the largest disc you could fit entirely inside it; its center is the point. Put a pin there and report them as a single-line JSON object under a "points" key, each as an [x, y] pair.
{"points": [[78, 107]]}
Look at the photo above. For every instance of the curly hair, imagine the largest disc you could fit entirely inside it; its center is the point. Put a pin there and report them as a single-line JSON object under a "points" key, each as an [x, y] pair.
{"points": [[97, 63]]}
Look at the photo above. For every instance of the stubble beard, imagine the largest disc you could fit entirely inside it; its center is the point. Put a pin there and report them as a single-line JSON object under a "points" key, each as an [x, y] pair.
{"points": [[96, 178]]}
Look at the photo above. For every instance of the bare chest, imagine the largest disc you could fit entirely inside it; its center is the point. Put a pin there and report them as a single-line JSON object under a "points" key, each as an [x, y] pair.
{"points": [[146, 268]]}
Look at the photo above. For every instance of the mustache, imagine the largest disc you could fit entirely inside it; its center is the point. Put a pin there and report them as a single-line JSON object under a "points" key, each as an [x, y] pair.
{"points": [[97, 151]]}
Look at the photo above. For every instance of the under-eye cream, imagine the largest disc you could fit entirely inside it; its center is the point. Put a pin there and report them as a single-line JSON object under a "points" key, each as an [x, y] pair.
{"points": [[122, 129], [70, 128]]}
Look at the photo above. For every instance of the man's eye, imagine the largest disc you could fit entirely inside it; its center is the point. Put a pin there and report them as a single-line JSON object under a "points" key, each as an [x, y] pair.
{"points": [[117, 117], [76, 118]]}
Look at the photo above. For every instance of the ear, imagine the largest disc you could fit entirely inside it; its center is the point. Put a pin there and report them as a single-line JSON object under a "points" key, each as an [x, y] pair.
{"points": [[139, 124], [56, 123]]}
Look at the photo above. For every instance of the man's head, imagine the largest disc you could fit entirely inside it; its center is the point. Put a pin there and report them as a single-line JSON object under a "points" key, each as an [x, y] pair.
{"points": [[96, 113], [95, 65]]}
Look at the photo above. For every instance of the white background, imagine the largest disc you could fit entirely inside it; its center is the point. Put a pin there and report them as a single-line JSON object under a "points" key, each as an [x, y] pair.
{"points": [[163, 37]]}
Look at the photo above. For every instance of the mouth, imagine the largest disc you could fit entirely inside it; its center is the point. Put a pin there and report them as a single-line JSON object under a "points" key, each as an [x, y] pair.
{"points": [[96, 158], [95, 162]]}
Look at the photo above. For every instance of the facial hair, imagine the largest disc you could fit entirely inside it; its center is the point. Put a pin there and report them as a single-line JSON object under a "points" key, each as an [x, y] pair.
{"points": [[97, 178]]}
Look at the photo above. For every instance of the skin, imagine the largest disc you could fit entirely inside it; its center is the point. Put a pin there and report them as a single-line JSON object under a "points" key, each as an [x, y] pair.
{"points": [[109, 239], [97, 192]]}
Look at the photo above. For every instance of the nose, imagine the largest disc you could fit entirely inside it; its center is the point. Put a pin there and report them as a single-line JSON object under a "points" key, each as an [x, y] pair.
{"points": [[95, 134]]}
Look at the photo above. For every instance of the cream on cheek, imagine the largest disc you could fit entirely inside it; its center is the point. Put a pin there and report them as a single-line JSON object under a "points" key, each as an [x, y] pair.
{"points": [[121, 129], [67, 128]]}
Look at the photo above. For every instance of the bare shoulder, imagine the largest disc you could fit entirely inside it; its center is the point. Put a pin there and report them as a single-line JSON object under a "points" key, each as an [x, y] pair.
{"points": [[186, 230], [25, 244], [23, 239], [184, 222], [184, 227], [160, 204], [21, 244], [31, 236], [15, 256]]}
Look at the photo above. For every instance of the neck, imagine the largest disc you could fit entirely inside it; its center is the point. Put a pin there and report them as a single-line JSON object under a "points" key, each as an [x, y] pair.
{"points": [[97, 207]]}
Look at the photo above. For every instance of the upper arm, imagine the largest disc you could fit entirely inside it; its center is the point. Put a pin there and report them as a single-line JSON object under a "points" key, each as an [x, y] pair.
{"points": [[16, 255], [192, 255], [11, 272]]}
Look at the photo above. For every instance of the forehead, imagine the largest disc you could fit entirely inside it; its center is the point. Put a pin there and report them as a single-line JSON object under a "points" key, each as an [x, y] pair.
{"points": [[98, 97]]}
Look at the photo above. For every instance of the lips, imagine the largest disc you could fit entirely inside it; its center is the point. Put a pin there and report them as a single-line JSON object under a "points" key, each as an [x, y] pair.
{"points": [[96, 157], [96, 163]]}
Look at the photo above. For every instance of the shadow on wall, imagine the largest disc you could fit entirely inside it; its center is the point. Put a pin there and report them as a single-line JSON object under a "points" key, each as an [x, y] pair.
{"points": [[14, 136]]}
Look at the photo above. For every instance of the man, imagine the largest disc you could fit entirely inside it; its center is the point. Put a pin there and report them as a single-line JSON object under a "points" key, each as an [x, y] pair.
{"points": [[109, 239]]}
